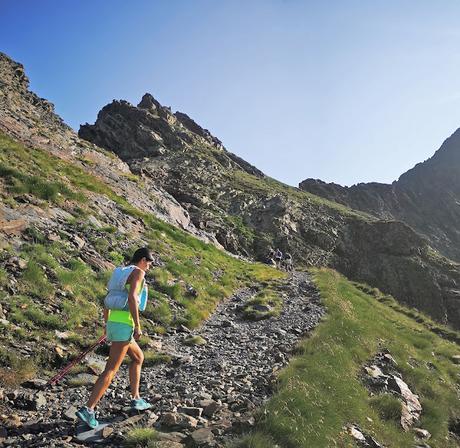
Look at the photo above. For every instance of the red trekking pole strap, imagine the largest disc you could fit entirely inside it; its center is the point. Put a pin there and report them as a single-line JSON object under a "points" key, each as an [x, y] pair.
{"points": [[66, 369]]}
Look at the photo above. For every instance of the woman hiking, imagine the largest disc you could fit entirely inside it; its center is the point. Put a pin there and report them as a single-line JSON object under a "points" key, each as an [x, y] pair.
{"points": [[127, 295]]}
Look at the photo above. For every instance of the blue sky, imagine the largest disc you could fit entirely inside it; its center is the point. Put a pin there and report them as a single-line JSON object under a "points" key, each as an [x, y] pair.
{"points": [[345, 91]]}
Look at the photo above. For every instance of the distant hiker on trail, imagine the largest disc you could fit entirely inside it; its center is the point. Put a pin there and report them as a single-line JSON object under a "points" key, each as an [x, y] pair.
{"points": [[278, 258], [270, 259], [127, 296], [287, 262]]}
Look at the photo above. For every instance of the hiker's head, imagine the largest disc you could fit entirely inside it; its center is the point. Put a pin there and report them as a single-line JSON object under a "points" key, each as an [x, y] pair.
{"points": [[142, 258]]}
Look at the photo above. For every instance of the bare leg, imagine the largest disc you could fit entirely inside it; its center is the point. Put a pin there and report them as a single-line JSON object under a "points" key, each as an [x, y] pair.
{"points": [[137, 358], [117, 353]]}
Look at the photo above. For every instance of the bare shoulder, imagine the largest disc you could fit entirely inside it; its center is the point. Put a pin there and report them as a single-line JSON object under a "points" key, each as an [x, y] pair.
{"points": [[136, 275]]}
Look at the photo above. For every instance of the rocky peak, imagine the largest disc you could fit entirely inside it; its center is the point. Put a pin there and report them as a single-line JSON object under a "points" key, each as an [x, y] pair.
{"points": [[134, 132], [14, 91], [150, 104], [13, 73], [441, 169], [150, 130]]}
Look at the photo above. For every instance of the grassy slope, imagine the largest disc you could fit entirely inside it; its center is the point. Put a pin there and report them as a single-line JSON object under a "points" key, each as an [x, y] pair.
{"points": [[38, 309], [320, 391]]}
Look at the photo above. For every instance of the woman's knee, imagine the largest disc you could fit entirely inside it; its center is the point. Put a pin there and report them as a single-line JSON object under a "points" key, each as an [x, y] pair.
{"points": [[135, 353], [137, 358]]}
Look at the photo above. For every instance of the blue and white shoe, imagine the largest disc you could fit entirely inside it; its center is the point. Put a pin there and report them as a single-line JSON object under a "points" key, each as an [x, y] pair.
{"points": [[87, 417], [140, 404]]}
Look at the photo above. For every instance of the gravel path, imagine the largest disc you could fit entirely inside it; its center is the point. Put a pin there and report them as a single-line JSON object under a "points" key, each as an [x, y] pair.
{"points": [[205, 395]]}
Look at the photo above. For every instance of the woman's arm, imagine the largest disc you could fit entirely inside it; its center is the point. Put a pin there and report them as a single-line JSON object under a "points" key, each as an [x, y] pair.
{"points": [[135, 281]]}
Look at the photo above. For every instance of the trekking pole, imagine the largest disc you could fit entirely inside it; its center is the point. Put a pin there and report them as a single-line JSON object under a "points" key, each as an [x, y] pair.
{"points": [[62, 373]]}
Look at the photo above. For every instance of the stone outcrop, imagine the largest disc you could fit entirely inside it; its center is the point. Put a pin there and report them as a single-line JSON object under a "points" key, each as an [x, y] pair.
{"points": [[382, 376], [427, 197]]}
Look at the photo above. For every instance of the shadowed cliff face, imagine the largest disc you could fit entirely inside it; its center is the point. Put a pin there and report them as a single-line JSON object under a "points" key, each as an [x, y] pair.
{"points": [[427, 197], [247, 212]]}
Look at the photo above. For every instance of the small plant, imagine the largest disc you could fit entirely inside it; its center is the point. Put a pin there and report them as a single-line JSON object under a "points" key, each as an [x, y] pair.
{"points": [[256, 440], [159, 311], [152, 358], [109, 229], [3, 278], [158, 329], [14, 370], [132, 177], [140, 438], [195, 340], [116, 258], [37, 317], [35, 278], [35, 235], [81, 379], [264, 305]]}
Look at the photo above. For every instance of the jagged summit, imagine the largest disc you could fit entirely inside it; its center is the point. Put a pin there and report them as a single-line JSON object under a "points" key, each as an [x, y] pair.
{"points": [[443, 166], [18, 105], [149, 103], [151, 129]]}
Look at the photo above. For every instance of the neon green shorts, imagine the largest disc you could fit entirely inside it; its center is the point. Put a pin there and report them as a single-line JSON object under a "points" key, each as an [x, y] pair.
{"points": [[118, 332]]}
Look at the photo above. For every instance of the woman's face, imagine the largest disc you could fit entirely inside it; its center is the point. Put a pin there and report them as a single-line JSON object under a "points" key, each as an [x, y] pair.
{"points": [[145, 264]]}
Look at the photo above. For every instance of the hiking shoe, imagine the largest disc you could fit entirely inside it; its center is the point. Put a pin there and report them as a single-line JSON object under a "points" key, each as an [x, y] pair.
{"points": [[140, 404], [87, 417]]}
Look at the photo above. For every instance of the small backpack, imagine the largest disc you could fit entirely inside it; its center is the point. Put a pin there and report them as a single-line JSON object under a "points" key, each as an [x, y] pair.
{"points": [[117, 297]]}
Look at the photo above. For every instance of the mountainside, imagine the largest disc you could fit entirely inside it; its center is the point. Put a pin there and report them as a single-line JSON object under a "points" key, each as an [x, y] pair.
{"points": [[248, 212], [69, 212], [225, 364], [31, 120], [427, 197]]}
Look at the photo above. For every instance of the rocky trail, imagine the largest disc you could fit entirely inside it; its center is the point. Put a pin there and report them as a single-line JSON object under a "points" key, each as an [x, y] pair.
{"points": [[203, 397]]}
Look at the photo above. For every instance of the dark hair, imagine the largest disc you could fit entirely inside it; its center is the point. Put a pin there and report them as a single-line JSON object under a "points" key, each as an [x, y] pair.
{"points": [[141, 253]]}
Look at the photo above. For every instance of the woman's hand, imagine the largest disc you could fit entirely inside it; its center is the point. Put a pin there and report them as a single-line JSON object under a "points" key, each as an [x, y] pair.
{"points": [[137, 333]]}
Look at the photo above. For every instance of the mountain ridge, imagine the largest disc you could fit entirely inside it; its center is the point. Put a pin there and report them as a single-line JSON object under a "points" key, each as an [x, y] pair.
{"points": [[247, 213], [426, 197]]}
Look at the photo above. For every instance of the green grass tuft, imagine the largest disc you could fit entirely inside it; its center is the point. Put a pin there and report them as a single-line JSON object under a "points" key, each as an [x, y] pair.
{"points": [[140, 438], [387, 406], [14, 369], [194, 340]]}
